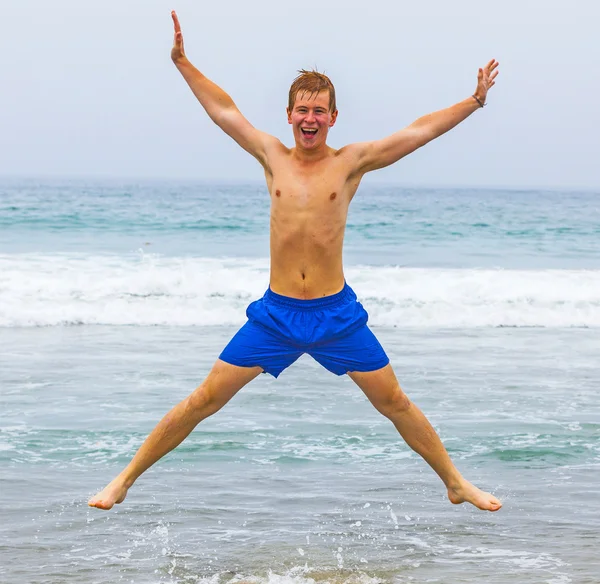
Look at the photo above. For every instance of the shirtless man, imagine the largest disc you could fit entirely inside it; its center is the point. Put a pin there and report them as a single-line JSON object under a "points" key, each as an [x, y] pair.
{"points": [[308, 307]]}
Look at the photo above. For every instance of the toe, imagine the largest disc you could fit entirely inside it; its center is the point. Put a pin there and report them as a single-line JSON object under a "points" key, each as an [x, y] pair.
{"points": [[494, 505], [98, 503]]}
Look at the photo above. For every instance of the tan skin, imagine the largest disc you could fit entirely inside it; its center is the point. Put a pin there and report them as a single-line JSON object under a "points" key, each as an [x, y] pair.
{"points": [[311, 186]]}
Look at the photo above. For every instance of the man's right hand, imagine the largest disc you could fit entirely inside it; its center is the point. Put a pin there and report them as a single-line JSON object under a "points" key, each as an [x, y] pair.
{"points": [[177, 52]]}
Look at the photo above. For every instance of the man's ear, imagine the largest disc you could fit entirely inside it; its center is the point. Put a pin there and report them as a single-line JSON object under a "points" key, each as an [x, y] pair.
{"points": [[289, 115], [334, 116]]}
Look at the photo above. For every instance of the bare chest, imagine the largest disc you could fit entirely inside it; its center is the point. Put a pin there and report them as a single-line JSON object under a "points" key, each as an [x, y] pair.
{"points": [[316, 191]]}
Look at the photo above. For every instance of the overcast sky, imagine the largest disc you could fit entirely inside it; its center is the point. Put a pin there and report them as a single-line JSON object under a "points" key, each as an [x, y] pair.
{"points": [[88, 88]]}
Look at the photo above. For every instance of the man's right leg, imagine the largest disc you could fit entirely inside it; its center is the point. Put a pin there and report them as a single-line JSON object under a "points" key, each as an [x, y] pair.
{"points": [[222, 383]]}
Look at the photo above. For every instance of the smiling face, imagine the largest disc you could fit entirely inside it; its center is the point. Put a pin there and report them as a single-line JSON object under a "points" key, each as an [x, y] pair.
{"points": [[311, 119]]}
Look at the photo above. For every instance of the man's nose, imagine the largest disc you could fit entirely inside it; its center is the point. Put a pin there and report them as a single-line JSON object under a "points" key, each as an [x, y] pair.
{"points": [[310, 116]]}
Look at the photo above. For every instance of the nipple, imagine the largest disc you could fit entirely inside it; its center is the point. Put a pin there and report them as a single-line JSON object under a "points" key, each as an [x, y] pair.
{"points": [[278, 193], [332, 196]]}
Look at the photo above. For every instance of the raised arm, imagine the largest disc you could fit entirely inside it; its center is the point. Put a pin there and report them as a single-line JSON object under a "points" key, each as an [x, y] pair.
{"points": [[218, 104], [381, 153]]}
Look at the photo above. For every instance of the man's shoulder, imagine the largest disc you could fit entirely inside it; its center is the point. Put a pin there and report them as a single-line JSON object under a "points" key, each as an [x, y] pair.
{"points": [[275, 145], [349, 150], [350, 155], [273, 141]]}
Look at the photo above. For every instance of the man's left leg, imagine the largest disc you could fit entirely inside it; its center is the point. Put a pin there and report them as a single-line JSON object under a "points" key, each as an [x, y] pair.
{"points": [[384, 392]]}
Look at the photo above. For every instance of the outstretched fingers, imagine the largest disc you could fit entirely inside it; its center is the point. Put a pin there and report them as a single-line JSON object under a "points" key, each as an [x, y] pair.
{"points": [[489, 73], [175, 21], [177, 52], [491, 65], [178, 40], [492, 68]]}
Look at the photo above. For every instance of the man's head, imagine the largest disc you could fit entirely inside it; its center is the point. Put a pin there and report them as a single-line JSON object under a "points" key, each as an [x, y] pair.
{"points": [[311, 108]]}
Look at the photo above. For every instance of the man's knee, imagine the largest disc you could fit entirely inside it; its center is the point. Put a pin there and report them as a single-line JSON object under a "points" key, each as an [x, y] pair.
{"points": [[205, 400], [393, 404]]}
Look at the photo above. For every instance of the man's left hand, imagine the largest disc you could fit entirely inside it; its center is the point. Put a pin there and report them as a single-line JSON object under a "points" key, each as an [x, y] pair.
{"points": [[485, 80]]}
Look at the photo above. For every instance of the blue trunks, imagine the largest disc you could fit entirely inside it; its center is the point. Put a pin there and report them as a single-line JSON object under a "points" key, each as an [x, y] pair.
{"points": [[333, 330]]}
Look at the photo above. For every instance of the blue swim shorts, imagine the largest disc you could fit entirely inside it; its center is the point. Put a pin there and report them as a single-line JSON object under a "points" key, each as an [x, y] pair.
{"points": [[333, 330]]}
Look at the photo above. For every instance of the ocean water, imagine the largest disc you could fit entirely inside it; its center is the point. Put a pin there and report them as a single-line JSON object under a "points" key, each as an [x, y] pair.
{"points": [[116, 298]]}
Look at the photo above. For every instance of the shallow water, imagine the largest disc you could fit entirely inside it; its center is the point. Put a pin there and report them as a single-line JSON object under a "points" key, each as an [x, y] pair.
{"points": [[488, 304], [299, 478]]}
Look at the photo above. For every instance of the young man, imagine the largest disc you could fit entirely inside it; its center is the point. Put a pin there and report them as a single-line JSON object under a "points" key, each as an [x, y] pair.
{"points": [[308, 307]]}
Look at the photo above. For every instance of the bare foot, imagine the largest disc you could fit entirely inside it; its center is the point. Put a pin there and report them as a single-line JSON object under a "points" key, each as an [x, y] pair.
{"points": [[113, 494], [465, 492]]}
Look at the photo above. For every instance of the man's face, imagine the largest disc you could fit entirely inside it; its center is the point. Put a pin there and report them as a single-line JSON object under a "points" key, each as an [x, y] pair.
{"points": [[311, 119]]}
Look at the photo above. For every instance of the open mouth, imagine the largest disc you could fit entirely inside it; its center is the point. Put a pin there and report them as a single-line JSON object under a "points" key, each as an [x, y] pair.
{"points": [[308, 132]]}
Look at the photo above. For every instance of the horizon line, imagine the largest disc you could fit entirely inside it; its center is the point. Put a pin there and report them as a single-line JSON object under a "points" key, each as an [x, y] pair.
{"points": [[252, 181]]}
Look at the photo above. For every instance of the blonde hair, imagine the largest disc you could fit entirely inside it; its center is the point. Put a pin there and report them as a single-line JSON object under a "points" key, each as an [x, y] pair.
{"points": [[311, 82]]}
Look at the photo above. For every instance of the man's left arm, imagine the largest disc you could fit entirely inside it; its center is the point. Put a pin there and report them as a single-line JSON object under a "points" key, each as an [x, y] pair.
{"points": [[381, 153]]}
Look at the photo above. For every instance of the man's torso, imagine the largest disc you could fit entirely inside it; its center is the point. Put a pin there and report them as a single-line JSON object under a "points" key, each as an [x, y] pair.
{"points": [[309, 207]]}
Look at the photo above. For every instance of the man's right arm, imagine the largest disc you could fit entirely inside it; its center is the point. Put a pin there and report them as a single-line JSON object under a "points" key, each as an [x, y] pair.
{"points": [[219, 105]]}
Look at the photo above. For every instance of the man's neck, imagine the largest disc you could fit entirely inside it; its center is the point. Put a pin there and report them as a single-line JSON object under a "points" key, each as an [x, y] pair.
{"points": [[311, 156]]}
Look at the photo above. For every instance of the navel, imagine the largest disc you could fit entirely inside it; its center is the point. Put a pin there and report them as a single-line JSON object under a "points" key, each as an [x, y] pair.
{"points": [[332, 196], [303, 275], [278, 193]]}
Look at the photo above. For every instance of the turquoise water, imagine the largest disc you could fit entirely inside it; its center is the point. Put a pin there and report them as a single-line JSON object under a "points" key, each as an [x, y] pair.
{"points": [[115, 300], [452, 227]]}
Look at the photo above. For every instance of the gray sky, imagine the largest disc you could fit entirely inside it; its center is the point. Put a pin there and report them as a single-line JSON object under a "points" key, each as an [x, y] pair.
{"points": [[88, 89]]}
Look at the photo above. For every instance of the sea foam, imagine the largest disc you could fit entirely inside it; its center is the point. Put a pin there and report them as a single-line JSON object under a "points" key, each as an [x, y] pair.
{"points": [[145, 290]]}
